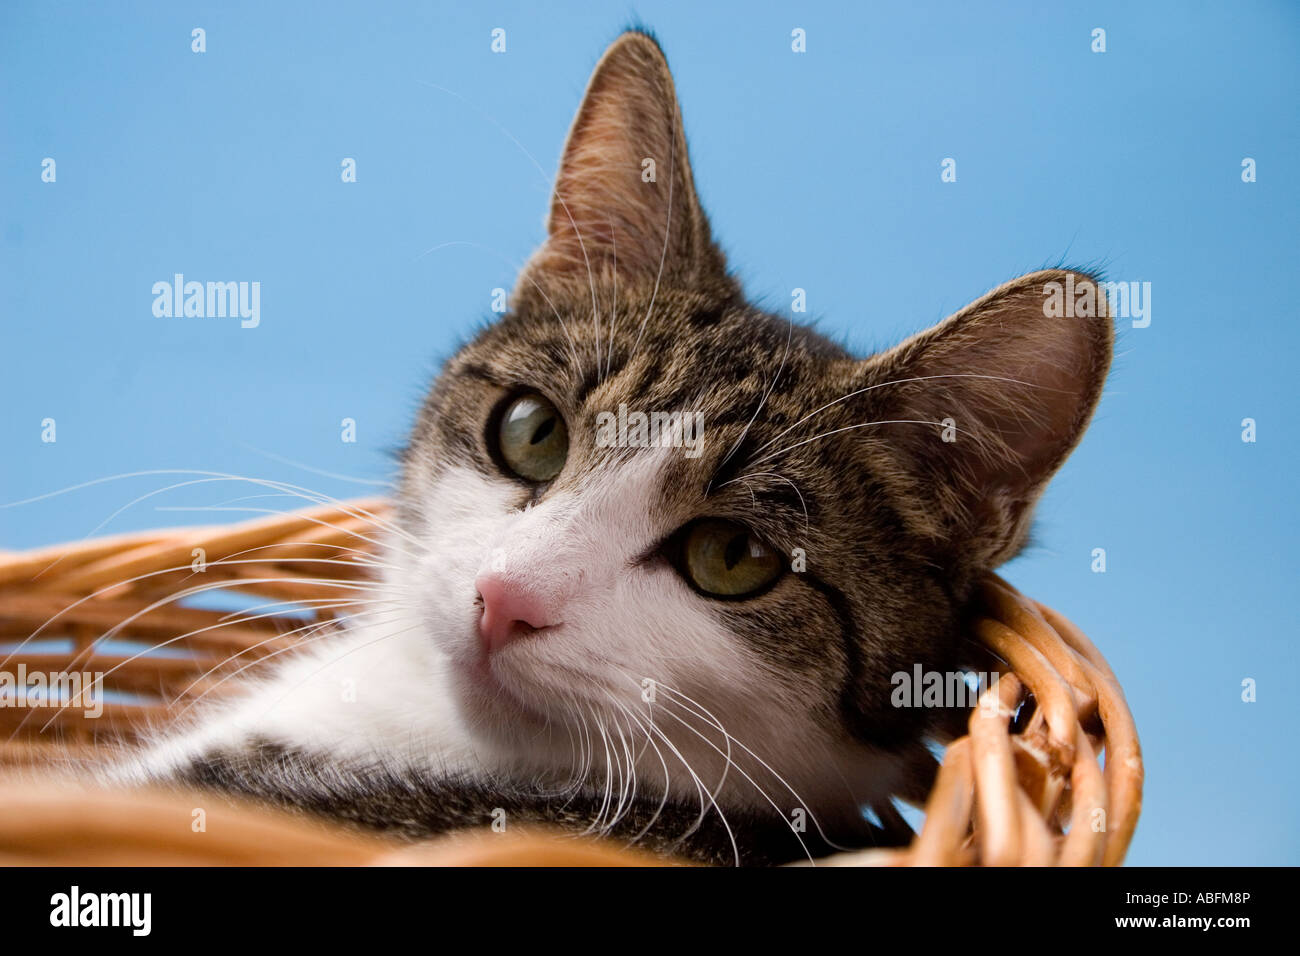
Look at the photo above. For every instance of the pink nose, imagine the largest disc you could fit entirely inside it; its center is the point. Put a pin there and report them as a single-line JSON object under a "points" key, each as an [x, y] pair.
{"points": [[511, 610]]}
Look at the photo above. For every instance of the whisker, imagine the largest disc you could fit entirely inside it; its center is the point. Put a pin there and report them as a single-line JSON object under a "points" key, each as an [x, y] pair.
{"points": [[178, 596], [663, 800], [358, 513], [305, 628], [306, 494], [317, 471], [600, 811], [701, 789], [899, 381], [628, 799], [86, 653], [769, 474], [846, 428], [765, 765], [703, 792], [754, 783]]}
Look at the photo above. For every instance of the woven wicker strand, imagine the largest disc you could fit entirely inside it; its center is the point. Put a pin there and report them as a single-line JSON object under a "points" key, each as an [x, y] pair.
{"points": [[1011, 792]]}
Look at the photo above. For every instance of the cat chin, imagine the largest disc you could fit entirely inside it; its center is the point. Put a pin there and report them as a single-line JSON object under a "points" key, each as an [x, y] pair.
{"points": [[553, 708], [494, 704], [530, 719]]}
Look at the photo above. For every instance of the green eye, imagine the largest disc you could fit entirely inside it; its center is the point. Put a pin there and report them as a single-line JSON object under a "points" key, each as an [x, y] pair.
{"points": [[724, 559], [532, 438]]}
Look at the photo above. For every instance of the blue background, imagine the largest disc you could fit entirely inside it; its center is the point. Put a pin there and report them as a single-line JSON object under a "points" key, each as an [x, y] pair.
{"points": [[820, 171]]}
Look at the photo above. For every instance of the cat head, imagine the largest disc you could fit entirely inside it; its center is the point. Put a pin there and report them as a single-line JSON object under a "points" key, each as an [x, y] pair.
{"points": [[718, 599]]}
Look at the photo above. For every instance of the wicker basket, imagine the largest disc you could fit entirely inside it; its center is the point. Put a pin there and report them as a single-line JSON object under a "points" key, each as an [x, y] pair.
{"points": [[1029, 791]]}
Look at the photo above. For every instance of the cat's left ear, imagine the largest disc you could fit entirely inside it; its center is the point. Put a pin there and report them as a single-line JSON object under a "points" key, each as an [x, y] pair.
{"points": [[624, 205], [982, 409]]}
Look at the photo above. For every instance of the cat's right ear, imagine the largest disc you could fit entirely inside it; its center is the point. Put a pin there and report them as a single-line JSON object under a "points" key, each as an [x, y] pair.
{"points": [[624, 206], [978, 412]]}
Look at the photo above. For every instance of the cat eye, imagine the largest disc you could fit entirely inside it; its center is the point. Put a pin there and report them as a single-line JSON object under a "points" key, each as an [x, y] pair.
{"points": [[724, 559], [532, 439]]}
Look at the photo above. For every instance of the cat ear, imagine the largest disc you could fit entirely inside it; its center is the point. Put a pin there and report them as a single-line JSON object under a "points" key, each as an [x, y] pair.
{"points": [[624, 203], [1006, 387]]}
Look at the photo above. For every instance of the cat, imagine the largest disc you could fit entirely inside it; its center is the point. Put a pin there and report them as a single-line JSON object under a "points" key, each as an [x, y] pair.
{"points": [[689, 651]]}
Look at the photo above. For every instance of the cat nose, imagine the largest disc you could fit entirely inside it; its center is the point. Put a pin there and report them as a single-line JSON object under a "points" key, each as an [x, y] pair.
{"points": [[511, 610]]}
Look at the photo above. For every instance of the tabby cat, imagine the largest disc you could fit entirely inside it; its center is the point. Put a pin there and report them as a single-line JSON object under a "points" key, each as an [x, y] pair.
{"points": [[594, 616]]}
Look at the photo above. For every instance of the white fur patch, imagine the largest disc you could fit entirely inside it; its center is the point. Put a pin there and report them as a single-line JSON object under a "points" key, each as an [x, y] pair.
{"points": [[635, 649]]}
